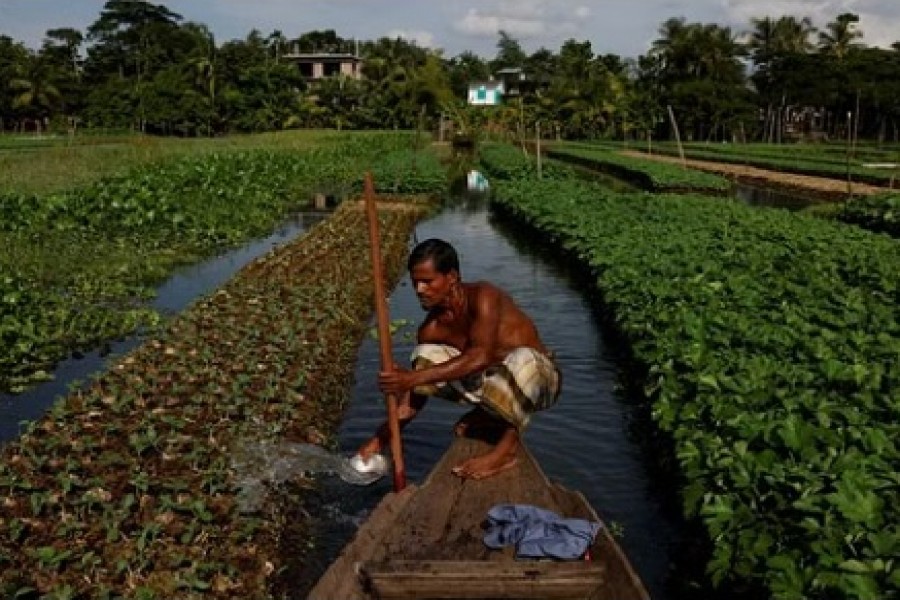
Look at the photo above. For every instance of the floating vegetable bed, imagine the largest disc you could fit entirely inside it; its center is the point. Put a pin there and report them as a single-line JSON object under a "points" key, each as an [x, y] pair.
{"points": [[126, 489], [771, 345]]}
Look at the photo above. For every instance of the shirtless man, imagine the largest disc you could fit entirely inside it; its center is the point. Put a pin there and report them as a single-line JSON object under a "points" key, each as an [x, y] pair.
{"points": [[475, 346]]}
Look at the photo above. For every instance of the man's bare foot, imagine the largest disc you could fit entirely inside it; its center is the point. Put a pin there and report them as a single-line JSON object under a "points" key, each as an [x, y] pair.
{"points": [[474, 419], [482, 467], [501, 458]]}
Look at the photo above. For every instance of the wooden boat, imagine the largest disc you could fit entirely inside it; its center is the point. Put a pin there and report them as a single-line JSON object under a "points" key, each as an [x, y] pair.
{"points": [[427, 542]]}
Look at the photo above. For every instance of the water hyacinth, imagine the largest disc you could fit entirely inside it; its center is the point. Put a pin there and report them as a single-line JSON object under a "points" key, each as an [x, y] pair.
{"points": [[147, 502]]}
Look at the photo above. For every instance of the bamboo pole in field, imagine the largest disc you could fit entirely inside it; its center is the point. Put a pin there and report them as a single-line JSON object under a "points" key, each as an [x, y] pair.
{"points": [[537, 143], [849, 145], [384, 334], [855, 127], [677, 136]]}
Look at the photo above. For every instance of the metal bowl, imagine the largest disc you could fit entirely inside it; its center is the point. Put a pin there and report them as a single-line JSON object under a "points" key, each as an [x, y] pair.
{"points": [[377, 463]]}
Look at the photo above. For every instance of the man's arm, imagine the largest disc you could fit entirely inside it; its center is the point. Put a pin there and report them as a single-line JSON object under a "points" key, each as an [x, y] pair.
{"points": [[477, 356], [407, 408]]}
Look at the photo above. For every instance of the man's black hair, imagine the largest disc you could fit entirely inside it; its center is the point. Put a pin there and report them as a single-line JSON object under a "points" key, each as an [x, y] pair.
{"points": [[442, 255]]}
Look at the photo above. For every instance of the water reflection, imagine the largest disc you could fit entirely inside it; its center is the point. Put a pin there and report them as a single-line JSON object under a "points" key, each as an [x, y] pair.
{"points": [[583, 441], [756, 196]]}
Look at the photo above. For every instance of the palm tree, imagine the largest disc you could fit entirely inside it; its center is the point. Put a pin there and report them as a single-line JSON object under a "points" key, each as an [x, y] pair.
{"points": [[674, 35], [277, 42], [763, 41], [839, 39], [35, 90], [771, 40], [717, 50], [204, 65], [794, 36]]}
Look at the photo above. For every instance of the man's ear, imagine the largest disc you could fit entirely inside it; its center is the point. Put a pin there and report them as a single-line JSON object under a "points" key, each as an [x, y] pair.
{"points": [[453, 275]]}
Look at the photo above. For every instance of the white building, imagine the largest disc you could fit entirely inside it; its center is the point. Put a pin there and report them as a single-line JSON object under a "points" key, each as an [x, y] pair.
{"points": [[486, 93]]}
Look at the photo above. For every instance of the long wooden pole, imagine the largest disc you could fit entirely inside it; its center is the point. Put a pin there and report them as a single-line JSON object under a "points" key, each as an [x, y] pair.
{"points": [[677, 136], [384, 333]]}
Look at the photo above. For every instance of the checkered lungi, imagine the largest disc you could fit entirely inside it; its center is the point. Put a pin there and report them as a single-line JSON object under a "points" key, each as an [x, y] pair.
{"points": [[525, 382]]}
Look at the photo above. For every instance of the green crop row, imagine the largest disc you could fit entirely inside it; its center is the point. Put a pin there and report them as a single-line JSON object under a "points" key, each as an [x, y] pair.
{"points": [[651, 175], [799, 162], [880, 212], [825, 153], [507, 162], [129, 488], [77, 267], [771, 345]]}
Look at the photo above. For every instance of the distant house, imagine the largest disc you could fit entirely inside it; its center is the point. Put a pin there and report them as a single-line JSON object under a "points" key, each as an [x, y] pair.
{"points": [[513, 80], [804, 123], [505, 84], [315, 66], [485, 93]]}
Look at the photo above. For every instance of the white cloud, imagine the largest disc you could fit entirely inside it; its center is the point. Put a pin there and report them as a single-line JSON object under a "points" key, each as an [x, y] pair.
{"points": [[879, 20], [423, 39], [523, 18], [878, 31], [479, 24]]}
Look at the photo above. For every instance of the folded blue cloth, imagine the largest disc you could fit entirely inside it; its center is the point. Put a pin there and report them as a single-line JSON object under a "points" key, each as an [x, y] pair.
{"points": [[538, 533]]}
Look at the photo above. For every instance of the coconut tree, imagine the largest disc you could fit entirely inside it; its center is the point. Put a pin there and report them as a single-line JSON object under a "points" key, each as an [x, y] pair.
{"points": [[840, 36], [13, 57], [277, 42], [700, 73], [762, 41], [36, 94], [772, 38], [203, 62], [391, 69], [673, 45], [585, 94], [793, 35]]}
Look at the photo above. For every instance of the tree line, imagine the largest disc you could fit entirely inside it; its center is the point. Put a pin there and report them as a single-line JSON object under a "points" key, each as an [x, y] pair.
{"points": [[140, 66]]}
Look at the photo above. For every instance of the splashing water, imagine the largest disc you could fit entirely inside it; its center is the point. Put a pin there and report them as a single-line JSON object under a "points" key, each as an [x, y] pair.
{"points": [[259, 464]]}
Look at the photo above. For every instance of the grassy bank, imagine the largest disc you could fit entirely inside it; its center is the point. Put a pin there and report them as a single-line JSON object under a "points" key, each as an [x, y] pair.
{"points": [[34, 165]]}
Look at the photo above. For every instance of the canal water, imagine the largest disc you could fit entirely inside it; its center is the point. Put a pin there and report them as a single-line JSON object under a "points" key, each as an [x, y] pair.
{"points": [[582, 442], [751, 195], [174, 295], [769, 198]]}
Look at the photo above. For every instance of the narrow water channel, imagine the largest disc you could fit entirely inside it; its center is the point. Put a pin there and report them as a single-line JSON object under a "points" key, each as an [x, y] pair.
{"points": [[582, 442], [174, 295], [751, 195], [769, 198]]}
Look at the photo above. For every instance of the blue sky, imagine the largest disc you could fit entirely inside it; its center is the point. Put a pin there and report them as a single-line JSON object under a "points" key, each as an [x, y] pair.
{"points": [[624, 27]]}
